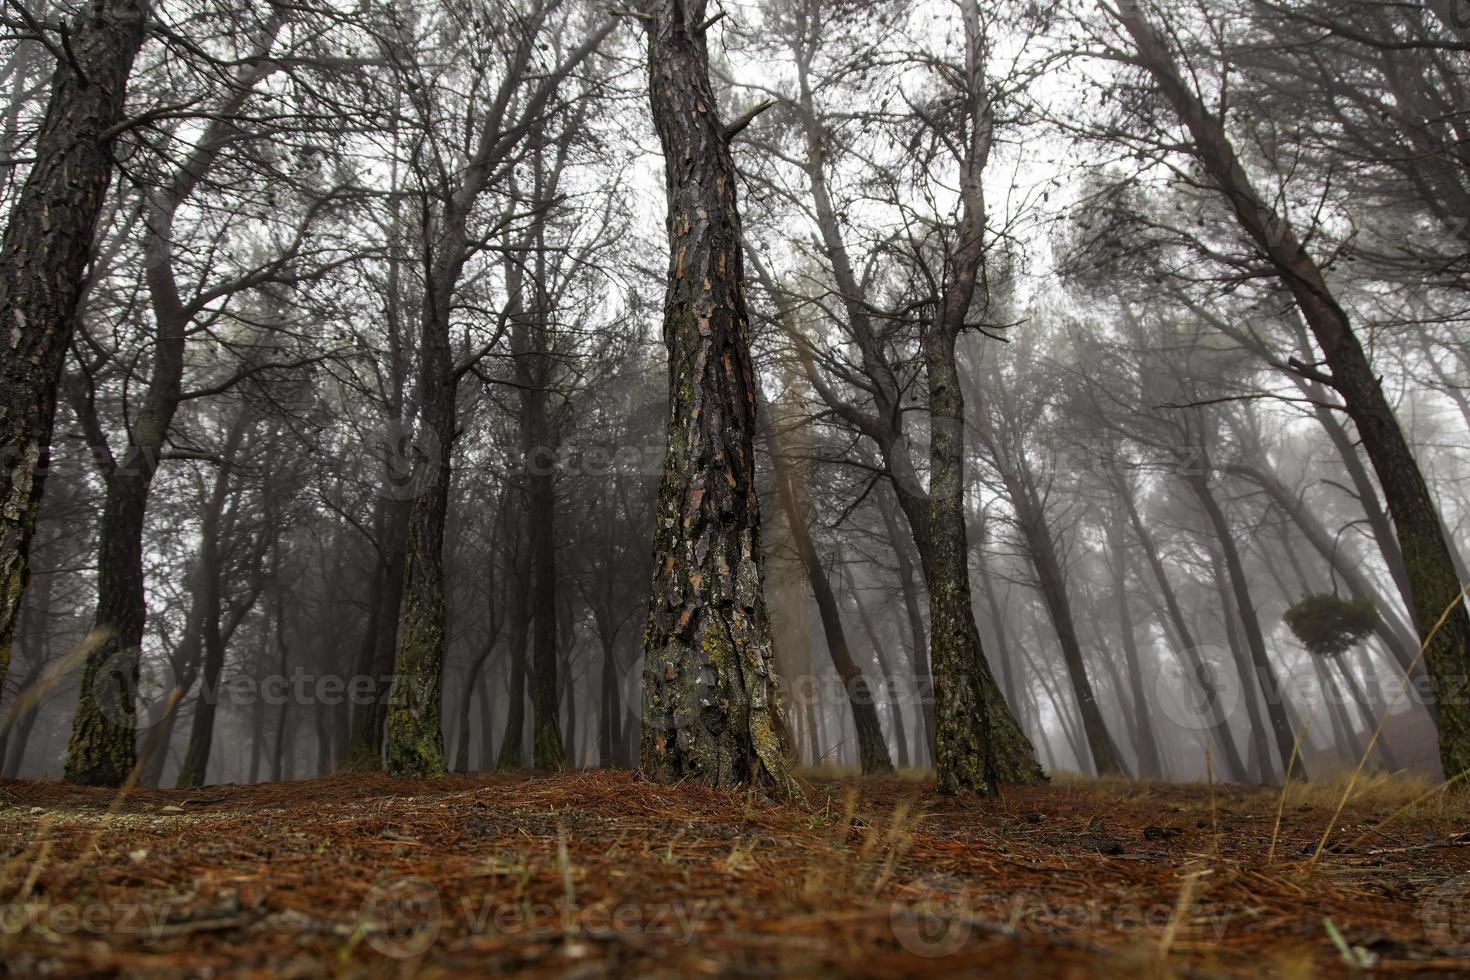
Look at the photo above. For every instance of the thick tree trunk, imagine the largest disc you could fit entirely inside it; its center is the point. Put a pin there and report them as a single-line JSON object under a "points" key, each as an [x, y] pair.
{"points": [[1434, 583], [964, 756], [43, 259], [101, 735], [709, 702], [101, 750], [415, 738]]}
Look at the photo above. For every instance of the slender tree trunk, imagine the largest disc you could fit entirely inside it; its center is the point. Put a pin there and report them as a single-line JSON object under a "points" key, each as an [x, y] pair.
{"points": [[918, 632], [471, 682], [1343, 732], [709, 704], [43, 258], [283, 760], [257, 739], [611, 702], [518, 627], [885, 669], [872, 746], [1275, 694], [1219, 721], [1053, 586], [19, 728], [1142, 715], [370, 719], [1365, 712], [547, 750], [1395, 634], [201, 734]]}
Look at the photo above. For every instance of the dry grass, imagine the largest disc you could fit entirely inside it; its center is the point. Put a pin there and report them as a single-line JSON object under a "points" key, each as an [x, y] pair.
{"points": [[596, 872]]}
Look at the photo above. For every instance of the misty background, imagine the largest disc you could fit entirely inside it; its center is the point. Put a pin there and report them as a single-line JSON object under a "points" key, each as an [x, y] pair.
{"points": [[1158, 483]]}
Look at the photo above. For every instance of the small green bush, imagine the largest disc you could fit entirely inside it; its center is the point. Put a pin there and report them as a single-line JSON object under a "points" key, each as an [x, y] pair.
{"points": [[1328, 625]]}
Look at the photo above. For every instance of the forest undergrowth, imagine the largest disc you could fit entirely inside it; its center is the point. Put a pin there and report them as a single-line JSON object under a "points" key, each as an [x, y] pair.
{"points": [[601, 871]]}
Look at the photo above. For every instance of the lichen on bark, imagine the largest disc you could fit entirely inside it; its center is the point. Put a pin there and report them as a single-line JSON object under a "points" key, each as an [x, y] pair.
{"points": [[710, 710]]}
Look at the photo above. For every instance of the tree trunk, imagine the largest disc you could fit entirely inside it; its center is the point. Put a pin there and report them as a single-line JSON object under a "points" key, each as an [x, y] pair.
{"points": [[1365, 712], [611, 704], [1149, 760], [471, 684], [885, 669], [1051, 581], [1245, 610], [1434, 583], [709, 702], [964, 757], [1394, 633], [547, 751], [415, 738], [1343, 732], [370, 719], [918, 631], [1219, 721], [517, 618], [283, 761], [43, 260], [872, 746]]}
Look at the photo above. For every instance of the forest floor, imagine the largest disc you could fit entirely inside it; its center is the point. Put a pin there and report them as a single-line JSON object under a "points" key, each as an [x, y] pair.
{"points": [[594, 872]]}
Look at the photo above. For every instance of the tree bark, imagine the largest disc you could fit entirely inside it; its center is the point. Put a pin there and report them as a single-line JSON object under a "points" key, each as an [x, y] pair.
{"points": [[43, 260], [710, 707]]}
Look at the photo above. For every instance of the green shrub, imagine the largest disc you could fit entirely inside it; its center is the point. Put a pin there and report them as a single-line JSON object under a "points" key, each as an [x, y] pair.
{"points": [[1328, 625]]}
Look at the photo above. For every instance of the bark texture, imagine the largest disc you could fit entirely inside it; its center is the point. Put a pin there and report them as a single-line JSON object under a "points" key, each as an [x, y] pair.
{"points": [[710, 704], [43, 260]]}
